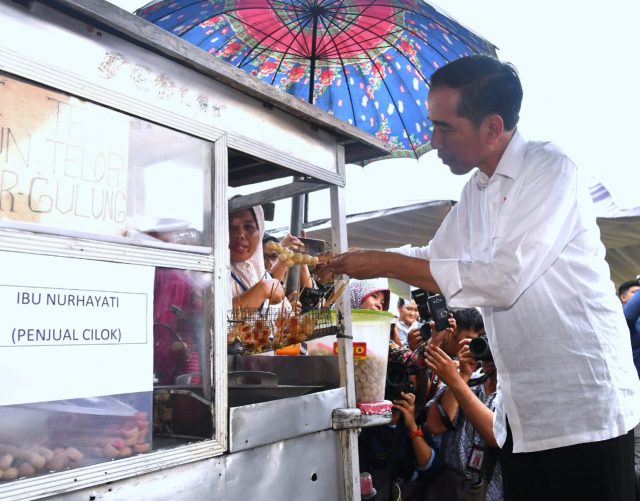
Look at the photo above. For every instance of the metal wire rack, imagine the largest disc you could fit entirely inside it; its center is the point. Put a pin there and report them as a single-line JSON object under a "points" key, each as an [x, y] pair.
{"points": [[254, 331]]}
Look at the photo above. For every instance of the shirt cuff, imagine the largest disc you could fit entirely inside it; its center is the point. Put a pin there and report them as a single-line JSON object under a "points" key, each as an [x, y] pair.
{"points": [[447, 275], [429, 464]]}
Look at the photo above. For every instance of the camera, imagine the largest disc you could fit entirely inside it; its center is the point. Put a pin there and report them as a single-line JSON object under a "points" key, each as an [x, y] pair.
{"points": [[313, 246], [432, 307], [480, 350], [420, 297], [397, 381], [311, 299], [439, 311]]}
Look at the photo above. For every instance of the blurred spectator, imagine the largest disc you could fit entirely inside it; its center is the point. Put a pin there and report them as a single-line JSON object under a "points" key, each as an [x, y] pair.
{"points": [[406, 323], [270, 257], [628, 289], [631, 307], [373, 294]]}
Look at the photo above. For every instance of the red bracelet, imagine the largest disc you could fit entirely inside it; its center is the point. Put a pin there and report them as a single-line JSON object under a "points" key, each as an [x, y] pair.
{"points": [[417, 433]]}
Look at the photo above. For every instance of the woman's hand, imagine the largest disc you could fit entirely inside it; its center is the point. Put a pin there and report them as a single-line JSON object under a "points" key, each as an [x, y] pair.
{"points": [[297, 305], [272, 290], [292, 242]]}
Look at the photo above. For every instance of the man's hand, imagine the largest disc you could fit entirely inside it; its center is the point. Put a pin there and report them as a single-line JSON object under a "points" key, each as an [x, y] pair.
{"points": [[359, 264], [363, 264], [444, 366], [468, 364], [414, 338], [406, 405], [442, 337]]}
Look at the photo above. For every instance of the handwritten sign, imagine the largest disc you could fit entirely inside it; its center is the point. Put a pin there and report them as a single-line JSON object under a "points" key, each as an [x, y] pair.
{"points": [[74, 328], [63, 161]]}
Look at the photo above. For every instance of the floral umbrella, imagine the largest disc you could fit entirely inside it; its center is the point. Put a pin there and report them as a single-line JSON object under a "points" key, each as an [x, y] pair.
{"points": [[365, 61]]}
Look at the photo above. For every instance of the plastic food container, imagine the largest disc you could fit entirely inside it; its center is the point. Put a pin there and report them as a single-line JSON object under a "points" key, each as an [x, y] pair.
{"points": [[371, 333]]}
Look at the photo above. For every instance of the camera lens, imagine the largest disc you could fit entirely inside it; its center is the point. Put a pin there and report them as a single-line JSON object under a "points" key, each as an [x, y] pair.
{"points": [[479, 348], [397, 374], [397, 381]]}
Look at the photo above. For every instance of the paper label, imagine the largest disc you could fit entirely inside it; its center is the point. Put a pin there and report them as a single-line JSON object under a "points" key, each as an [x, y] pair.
{"points": [[74, 328]]}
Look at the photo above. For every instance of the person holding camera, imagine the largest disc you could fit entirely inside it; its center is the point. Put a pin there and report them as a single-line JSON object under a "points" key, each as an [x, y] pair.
{"points": [[407, 326], [402, 452], [463, 412], [522, 243]]}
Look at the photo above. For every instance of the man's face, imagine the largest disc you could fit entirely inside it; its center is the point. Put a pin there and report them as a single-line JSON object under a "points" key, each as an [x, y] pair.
{"points": [[408, 313], [270, 257], [629, 294], [451, 344], [458, 141]]}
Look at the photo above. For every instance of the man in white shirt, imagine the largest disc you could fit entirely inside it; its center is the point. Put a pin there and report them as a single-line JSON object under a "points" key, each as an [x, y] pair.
{"points": [[523, 245]]}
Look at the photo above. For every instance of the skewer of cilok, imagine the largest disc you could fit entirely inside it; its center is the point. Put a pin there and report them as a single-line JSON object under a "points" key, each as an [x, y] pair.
{"points": [[290, 258], [261, 330]]}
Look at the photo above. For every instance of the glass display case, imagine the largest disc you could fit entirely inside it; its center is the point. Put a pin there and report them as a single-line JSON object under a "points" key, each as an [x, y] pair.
{"points": [[115, 166]]}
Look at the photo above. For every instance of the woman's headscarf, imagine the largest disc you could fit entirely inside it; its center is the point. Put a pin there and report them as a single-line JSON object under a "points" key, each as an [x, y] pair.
{"points": [[251, 271], [362, 289]]}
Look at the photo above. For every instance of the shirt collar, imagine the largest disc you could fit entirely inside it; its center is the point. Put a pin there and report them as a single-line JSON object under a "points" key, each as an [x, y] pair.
{"points": [[510, 162]]}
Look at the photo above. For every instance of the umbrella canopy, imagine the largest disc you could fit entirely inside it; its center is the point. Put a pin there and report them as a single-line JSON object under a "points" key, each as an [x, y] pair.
{"points": [[365, 61]]}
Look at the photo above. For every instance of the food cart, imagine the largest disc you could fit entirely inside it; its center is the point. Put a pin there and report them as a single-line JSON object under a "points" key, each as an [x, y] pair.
{"points": [[118, 143]]}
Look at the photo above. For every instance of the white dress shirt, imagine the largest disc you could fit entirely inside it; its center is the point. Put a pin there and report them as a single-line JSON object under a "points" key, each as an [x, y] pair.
{"points": [[524, 246]]}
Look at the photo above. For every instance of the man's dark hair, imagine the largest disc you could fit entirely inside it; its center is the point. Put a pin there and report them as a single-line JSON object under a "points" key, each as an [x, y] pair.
{"points": [[486, 86], [625, 286], [269, 238], [468, 319]]}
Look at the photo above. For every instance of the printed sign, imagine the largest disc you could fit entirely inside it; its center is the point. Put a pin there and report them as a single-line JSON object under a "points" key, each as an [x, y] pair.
{"points": [[73, 328], [63, 161], [359, 349]]}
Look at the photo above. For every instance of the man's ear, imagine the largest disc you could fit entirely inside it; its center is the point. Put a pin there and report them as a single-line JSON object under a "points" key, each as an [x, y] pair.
{"points": [[494, 127]]}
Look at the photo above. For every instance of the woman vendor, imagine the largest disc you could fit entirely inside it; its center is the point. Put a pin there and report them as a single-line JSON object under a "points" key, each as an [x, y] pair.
{"points": [[251, 285]]}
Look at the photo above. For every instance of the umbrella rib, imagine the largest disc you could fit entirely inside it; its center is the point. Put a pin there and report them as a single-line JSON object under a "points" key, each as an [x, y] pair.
{"points": [[416, 34], [468, 43], [390, 97], [229, 13], [266, 36], [344, 72], [295, 36], [341, 29]]}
